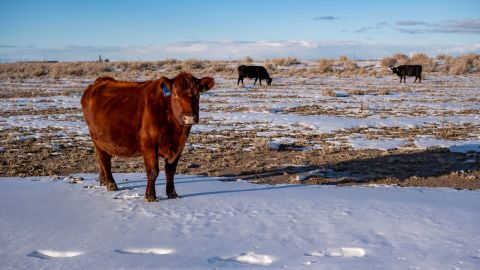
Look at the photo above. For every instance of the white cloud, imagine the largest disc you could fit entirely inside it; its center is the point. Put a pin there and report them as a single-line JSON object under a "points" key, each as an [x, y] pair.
{"points": [[470, 26], [304, 49]]}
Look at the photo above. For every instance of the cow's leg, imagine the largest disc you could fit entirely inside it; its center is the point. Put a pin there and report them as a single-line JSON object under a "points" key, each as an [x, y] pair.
{"points": [[105, 163], [416, 77], [256, 78], [150, 159], [260, 80], [420, 78], [170, 169], [239, 79]]}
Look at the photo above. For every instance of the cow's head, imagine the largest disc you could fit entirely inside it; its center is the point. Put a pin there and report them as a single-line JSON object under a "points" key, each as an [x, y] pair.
{"points": [[269, 81], [394, 69], [184, 92]]}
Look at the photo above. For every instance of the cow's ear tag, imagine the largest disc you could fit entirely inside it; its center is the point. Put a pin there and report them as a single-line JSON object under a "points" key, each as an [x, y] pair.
{"points": [[166, 92]]}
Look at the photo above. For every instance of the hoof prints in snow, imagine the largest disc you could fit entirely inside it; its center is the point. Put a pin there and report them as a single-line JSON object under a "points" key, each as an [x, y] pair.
{"points": [[53, 254], [125, 196], [339, 252], [248, 258], [145, 251]]}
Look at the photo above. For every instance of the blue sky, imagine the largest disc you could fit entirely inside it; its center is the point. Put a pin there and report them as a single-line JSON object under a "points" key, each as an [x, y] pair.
{"points": [[152, 30]]}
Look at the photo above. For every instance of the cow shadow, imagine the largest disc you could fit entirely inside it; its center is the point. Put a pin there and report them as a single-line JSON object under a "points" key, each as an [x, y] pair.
{"points": [[271, 187], [180, 181], [161, 182], [403, 166], [397, 167]]}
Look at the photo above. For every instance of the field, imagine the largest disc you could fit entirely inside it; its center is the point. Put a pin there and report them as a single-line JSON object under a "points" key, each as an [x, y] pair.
{"points": [[331, 167], [335, 128]]}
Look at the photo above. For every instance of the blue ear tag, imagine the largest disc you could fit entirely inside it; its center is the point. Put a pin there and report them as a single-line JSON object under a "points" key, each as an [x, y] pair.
{"points": [[166, 92]]}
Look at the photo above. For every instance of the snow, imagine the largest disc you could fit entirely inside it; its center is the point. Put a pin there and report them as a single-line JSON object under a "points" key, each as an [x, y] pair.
{"points": [[381, 144], [454, 146], [339, 252], [70, 223]]}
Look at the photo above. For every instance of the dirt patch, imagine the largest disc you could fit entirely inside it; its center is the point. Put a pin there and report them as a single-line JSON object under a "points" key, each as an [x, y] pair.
{"points": [[244, 155]]}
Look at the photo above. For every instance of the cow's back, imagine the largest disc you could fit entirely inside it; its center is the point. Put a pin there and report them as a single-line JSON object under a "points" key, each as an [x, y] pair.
{"points": [[113, 112], [253, 72], [410, 70]]}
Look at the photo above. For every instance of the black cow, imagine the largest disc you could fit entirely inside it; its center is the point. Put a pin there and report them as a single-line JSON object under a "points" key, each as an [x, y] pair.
{"points": [[251, 72], [408, 70]]}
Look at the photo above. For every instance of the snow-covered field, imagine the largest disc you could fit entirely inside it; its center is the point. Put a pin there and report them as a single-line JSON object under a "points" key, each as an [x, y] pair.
{"points": [[290, 106], [57, 223]]}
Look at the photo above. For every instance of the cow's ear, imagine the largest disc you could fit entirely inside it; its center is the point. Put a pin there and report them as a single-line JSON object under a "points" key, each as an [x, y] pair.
{"points": [[166, 86], [206, 83]]}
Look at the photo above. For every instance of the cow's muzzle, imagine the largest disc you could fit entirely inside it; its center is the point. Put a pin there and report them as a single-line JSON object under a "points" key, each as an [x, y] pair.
{"points": [[190, 119]]}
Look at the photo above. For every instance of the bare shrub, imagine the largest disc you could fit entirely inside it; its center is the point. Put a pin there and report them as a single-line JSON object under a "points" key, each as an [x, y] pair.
{"points": [[442, 57], [169, 62], [40, 70], [324, 65], [384, 91], [402, 59], [193, 64], [248, 60], [75, 69], [350, 65], [268, 65], [329, 92], [343, 58], [387, 62], [459, 66], [139, 65], [289, 61], [422, 59], [217, 67], [301, 72], [465, 64], [357, 92]]}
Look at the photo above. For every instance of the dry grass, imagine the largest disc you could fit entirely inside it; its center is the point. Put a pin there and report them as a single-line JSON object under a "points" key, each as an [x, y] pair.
{"points": [[388, 62], [384, 91], [324, 65], [329, 92], [289, 61], [469, 63], [248, 60], [442, 64], [427, 63], [357, 92], [192, 64]]}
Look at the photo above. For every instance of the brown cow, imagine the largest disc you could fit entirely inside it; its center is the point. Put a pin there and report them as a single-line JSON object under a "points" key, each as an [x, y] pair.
{"points": [[150, 119]]}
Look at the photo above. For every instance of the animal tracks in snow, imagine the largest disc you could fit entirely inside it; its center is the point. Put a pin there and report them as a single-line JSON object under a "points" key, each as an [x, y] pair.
{"points": [[339, 252], [145, 251], [248, 258], [54, 254]]}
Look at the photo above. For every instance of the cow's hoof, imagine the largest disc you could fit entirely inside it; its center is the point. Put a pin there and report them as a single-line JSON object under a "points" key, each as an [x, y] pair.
{"points": [[150, 198], [112, 187], [173, 196]]}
